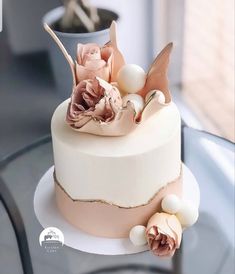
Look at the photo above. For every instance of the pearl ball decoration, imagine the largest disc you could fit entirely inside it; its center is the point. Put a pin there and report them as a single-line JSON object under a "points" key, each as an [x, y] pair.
{"points": [[159, 95], [188, 214], [171, 204], [131, 78], [137, 101], [137, 235]]}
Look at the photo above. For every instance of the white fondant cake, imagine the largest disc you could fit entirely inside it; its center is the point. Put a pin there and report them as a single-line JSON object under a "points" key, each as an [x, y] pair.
{"points": [[125, 171]]}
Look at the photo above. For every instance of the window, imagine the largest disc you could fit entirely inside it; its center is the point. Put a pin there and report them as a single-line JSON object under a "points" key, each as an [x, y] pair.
{"points": [[202, 66], [208, 64]]}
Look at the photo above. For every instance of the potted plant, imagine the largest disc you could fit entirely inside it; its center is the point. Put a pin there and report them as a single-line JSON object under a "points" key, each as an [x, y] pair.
{"points": [[75, 22]]}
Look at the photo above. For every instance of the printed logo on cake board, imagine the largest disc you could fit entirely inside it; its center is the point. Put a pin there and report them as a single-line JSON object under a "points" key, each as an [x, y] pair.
{"points": [[51, 239]]}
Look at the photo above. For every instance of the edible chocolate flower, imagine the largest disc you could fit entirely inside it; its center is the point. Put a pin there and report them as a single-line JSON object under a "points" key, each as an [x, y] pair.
{"points": [[93, 99], [163, 234], [94, 61]]}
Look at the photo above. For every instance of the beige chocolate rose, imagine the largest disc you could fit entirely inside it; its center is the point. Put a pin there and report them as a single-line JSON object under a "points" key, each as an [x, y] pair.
{"points": [[94, 61], [163, 234], [93, 99]]}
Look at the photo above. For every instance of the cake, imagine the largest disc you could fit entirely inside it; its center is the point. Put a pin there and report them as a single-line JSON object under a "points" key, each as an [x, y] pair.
{"points": [[117, 150]]}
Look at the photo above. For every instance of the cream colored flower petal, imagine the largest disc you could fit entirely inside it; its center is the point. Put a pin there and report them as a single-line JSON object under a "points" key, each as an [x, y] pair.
{"points": [[84, 73], [106, 53], [160, 220], [176, 228], [95, 64], [87, 52], [82, 121], [64, 51], [121, 125]]}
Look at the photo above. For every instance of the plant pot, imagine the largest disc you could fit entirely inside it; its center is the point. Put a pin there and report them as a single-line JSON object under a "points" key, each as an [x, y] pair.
{"points": [[23, 23], [61, 70]]}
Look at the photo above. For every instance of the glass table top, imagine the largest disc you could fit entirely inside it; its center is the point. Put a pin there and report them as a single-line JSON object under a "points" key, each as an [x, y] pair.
{"points": [[207, 246]]}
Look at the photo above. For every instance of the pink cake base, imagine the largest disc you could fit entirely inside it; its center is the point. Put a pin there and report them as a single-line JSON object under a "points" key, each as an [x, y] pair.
{"points": [[101, 219]]}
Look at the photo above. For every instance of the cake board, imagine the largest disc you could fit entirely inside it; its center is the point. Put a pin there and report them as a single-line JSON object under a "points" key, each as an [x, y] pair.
{"points": [[49, 216]]}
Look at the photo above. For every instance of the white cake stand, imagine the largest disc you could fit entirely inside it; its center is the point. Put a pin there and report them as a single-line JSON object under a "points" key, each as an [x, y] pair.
{"points": [[49, 216]]}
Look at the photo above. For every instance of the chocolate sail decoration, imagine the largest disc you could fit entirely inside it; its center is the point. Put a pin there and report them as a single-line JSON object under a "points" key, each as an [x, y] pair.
{"points": [[118, 57], [64, 51], [157, 75]]}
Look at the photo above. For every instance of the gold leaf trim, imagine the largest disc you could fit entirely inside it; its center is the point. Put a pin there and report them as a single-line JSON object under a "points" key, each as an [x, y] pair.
{"points": [[179, 178]]}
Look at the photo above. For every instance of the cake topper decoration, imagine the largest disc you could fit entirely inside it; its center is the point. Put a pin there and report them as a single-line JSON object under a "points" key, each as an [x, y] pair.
{"points": [[131, 78], [94, 98], [163, 232], [97, 104]]}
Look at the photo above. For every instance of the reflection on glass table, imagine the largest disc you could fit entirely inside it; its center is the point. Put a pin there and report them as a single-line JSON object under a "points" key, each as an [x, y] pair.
{"points": [[207, 246]]}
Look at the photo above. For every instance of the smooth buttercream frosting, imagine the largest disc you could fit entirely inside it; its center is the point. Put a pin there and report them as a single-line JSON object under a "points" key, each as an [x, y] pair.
{"points": [[126, 170], [106, 220]]}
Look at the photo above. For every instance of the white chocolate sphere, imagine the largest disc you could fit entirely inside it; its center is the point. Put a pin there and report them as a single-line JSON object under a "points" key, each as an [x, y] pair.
{"points": [[171, 204], [137, 235], [188, 214], [131, 78], [159, 94], [137, 101]]}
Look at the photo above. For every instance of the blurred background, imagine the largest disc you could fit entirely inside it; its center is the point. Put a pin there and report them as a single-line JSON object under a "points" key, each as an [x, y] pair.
{"points": [[201, 69]]}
